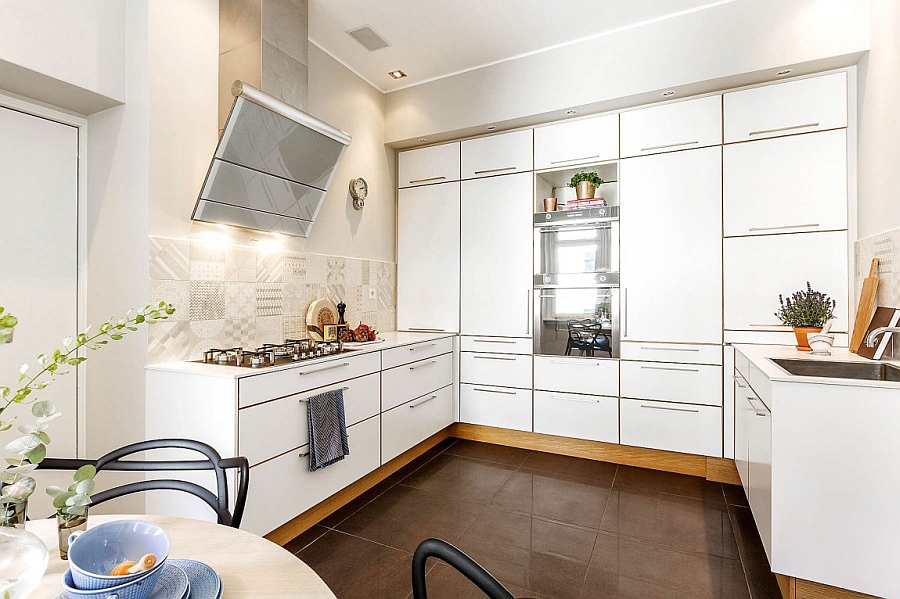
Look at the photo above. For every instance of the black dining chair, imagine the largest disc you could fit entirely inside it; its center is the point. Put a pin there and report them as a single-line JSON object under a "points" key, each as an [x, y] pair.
{"points": [[218, 501], [464, 564], [587, 336]]}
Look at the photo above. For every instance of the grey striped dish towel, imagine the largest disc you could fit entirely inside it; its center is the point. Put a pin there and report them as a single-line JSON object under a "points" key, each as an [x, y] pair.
{"points": [[327, 429]]}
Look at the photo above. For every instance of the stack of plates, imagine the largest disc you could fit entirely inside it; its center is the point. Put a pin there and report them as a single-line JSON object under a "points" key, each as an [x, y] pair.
{"points": [[182, 579]]}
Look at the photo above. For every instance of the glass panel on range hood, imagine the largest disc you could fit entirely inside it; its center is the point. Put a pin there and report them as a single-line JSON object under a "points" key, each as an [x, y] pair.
{"points": [[213, 212]]}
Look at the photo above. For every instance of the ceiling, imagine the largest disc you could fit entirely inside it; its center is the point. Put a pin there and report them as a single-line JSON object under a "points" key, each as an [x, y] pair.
{"points": [[431, 39]]}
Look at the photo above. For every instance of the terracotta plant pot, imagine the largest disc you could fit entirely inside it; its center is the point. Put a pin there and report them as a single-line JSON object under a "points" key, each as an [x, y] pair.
{"points": [[801, 332], [584, 190]]}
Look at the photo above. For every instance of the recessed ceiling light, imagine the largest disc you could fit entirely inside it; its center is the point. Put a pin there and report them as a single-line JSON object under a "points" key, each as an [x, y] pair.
{"points": [[784, 72], [423, 140], [398, 74], [491, 127], [571, 111], [668, 93]]}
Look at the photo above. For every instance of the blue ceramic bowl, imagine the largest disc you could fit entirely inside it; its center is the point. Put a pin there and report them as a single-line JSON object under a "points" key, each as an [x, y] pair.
{"points": [[136, 588], [95, 552]]}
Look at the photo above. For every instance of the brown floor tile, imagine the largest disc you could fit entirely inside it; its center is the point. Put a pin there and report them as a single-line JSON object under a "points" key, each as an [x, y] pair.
{"points": [[356, 504], [669, 482], [510, 456], [753, 556], [304, 539], [473, 480], [444, 582], [358, 569], [734, 495], [405, 516], [680, 523], [553, 496], [600, 472], [421, 460]]}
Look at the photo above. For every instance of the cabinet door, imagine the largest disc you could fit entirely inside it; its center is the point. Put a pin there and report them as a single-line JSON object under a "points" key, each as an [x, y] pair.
{"points": [[760, 472], [495, 288], [786, 185], [758, 269], [786, 108], [437, 164], [743, 412], [574, 142], [677, 126], [428, 258], [498, 154], [671, 247]]}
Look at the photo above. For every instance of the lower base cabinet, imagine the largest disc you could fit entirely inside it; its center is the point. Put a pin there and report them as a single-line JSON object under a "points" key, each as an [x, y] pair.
{"points": [[589, 417], [495, 406], [411, 423], [685, 428]]}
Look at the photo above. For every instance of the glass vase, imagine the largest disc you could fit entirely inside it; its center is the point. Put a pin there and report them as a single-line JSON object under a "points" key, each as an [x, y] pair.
{"points": [[65, 526], [13, 514], [23, 560]]}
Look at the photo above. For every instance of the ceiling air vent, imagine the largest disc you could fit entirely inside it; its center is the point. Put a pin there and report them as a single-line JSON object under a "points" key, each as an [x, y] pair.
{"points": [[369, 38]]}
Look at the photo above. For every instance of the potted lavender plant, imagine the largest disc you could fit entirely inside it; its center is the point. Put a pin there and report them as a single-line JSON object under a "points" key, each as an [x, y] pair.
{"points": [[807, 312]]}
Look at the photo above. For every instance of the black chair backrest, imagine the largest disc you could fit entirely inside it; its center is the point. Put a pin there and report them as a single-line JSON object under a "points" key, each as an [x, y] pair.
{"points": [[464, 564], [217, 501]]}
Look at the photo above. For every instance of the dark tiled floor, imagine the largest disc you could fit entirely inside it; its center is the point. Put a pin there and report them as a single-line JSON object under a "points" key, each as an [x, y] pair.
{"points": [[547, 526]]}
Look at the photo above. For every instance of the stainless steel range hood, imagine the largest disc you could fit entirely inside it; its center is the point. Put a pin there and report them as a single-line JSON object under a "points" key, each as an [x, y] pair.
{"points": [[271, 168]]}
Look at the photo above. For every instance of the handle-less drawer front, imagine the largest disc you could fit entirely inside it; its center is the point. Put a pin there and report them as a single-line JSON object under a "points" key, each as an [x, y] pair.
{"points": [[684, 383], [271, 385], [495, 406], [580, 416], [417, 351], [403, 383], [576, 375], [496, 345], [269, 429], [408, 424], [672, 352], [671, 426], [503, 370]]}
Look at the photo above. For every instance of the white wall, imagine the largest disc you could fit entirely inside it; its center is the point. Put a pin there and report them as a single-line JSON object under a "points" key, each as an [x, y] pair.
{"points": [[879, 123], [696, 52]]}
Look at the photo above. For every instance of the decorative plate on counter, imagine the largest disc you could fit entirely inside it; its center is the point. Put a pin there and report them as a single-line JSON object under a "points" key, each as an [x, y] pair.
{"points": [[321, 312]]}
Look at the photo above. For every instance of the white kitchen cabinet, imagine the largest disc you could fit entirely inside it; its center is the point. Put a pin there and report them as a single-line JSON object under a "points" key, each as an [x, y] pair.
{"points": [[758, 269], [801, 106], [406, 354], [680, 383], [495, 406], [428, 258], [670, 426], [501, 154], [589, 417], [677, 126], [496, 262], [411, 423], [786, 185], [671, 247], [671, 352], [497, 345], [577, 375], [574, 142], [759, 457], [403, 383], [425, 166], [743, 414], [502, 370]]}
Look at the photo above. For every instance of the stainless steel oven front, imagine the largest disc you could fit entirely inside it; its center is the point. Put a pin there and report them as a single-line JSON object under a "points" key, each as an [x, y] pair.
{"points": [[576, 321]]}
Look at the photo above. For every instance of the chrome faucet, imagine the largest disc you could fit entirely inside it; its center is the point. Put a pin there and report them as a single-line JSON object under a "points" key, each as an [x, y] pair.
{"points": [[870, 338]]}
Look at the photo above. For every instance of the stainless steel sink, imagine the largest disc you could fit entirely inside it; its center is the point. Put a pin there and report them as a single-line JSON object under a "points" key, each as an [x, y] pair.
{"points": [[840, 370]]}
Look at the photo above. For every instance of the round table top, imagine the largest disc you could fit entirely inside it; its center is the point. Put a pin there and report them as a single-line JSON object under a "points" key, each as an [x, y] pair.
{"points": [[249, 565]]}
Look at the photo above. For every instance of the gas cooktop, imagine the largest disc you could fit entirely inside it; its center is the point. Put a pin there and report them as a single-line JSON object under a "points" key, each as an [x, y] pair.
{"points": [[272, 354]]}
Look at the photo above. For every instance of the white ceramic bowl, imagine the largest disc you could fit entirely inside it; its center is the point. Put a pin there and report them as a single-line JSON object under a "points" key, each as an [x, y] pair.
{"points": [[95, 552]]}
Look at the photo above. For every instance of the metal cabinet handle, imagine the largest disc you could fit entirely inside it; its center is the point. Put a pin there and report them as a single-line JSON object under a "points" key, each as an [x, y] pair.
{"points": [[494, 391], [303, 455], [324, 369], [575, 159], [342, 389], [426, 400], [418, 347], [692, 349], [783, 227], [429, 363], [495, 170], [777, 130], [426, 330], [528, 312], [769, 325], [494, 358], [750, 400], [644, 367], [579, 399], [574, 363], [670, 409], [624, 312], [737, 379], [428, 179], [664, 146], [492, 341]]}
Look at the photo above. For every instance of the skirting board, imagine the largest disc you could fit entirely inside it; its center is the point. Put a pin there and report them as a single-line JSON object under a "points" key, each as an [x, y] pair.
{"points": [[798, 588]]}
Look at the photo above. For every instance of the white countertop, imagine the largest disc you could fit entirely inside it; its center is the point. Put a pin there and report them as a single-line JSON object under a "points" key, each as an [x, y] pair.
{"points": [[390, 340]]}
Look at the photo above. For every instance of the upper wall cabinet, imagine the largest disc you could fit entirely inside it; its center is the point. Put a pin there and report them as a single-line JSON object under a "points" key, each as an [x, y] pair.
{"points": [[437, 164], [677, 126], [800, 106], [498, 154], [573, 142]]}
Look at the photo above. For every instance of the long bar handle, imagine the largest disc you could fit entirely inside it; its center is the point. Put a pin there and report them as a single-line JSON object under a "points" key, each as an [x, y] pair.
{"points": [[737, 379], [494, 358], [426, 330], [807, 226], [644, 367], [495, 170], [750, 400], [426, 400], [324, 369], [492, 341], [624, 312], [575, 159], [664, 146], [650, 347], [423, 346], [494, 391], [427, 180], [429, 363], [779, 129], [670, 409], [528, 312], [574, 363], [342, 389], [564, 398]]}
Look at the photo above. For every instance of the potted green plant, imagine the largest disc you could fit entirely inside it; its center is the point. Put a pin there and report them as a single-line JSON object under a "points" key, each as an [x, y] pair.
{"points": [[585, 184], [807, 312]]}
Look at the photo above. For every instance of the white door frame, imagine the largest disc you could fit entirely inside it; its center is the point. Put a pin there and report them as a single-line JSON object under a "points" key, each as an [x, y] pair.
{"points": [[29, 107]]}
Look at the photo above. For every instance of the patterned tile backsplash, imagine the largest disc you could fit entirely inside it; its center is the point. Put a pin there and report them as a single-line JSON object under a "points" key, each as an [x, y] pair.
{"points": [[886, 247], [240, 296]]}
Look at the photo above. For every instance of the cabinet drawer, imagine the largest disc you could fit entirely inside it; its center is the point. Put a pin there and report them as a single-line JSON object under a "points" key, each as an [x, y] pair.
{"points": [[496, 345], [403, 383], [588, 140], [674, 427], [288, 479], [269, 429], [271, 385], [405, 354], [741, 364], [786, 185], [786, 108], [413, 422], [494, 406], [498, 154], [672, 352], [677, 126], [576, 375], [502, 370], [437, 164], [579, 416], [683, 383]]}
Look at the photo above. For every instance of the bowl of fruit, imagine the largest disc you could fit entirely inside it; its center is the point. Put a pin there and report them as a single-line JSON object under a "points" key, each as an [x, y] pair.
{"points": [[363, 334]]}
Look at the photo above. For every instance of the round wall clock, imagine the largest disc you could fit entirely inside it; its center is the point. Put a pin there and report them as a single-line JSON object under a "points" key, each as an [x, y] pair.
{"points": [[359, 189]]}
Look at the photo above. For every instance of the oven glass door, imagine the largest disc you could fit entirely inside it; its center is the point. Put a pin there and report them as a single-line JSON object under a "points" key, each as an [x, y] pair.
{"points": [[576, 321], [570, 249]]}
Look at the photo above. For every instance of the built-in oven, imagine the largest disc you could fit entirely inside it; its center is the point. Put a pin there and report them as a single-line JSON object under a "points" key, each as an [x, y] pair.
{"points": [[576, 283]]}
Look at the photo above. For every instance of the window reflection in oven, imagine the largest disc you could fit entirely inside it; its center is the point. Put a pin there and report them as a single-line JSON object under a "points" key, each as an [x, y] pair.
{"points": [[577, 322]]}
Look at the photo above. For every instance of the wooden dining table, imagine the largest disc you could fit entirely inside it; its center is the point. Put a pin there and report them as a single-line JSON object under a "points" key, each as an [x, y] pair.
{"points": [[249, 565]]}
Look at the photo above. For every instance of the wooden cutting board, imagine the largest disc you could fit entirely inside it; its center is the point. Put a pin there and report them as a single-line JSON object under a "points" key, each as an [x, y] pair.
{"points": [[865, 308]]}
